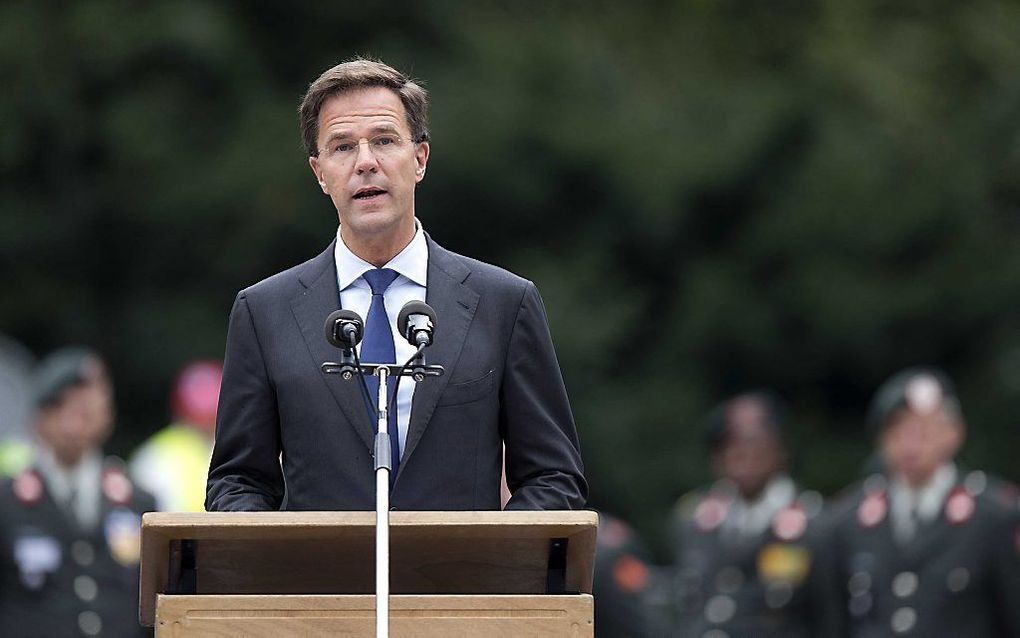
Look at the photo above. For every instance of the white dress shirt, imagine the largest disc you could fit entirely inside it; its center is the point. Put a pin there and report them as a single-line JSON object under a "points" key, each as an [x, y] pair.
{"points": [[749, 518], [411, 265], [82, 480], [922, 505]]}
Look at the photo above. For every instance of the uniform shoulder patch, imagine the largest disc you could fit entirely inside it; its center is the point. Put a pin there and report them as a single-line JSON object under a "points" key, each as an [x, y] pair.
{"points": [[873, 508], [28, 487], [117, 487]]}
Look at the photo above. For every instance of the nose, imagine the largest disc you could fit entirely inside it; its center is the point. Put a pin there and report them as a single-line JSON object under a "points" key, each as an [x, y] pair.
{"points": [[365, 160]]}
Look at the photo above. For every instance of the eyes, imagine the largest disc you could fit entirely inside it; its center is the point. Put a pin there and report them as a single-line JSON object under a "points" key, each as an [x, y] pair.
{"points": [[382, 144]]}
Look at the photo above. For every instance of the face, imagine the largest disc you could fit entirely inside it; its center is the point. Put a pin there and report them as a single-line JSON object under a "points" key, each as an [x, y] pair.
{"points": [[372, 186], [81, 420], [914, 445], [751, 455]]}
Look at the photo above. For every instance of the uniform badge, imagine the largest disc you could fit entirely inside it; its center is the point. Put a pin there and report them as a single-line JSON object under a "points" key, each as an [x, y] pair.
{"points": [[123, 536], [117, 487], [959, 506], [630, 574], [790, 523], [36, 555], [780, 562], [28, 487], [923, 394], [873, 509], [710, 513]]}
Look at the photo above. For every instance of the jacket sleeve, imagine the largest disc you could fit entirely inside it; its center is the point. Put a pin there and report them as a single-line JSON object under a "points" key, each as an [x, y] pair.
{"points": [[245, 472], [543, 458]]}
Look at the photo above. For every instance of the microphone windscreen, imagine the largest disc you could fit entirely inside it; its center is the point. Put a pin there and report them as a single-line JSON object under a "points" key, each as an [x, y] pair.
{"points": [[332, 328], [414, 308]]}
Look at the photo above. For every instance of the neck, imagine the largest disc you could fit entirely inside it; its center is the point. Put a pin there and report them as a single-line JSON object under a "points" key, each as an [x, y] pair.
{"points": [[919, 481], [380, 248]]}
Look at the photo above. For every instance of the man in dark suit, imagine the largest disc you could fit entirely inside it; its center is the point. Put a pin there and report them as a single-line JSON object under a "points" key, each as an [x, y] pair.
{"points": [[284, 426], [924, 549], [69, 524], [745, 545]]}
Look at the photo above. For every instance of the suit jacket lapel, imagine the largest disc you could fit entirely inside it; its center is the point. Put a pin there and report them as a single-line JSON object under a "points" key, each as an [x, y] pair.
{"points": [[311, 306], [455, 306]]}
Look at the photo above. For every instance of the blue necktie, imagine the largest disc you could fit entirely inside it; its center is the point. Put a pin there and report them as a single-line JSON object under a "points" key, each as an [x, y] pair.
{"points": [[378, 347]]}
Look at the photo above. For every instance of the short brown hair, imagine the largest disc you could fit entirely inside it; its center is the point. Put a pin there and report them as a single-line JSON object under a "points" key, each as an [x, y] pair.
{"points": [[361, 73]]}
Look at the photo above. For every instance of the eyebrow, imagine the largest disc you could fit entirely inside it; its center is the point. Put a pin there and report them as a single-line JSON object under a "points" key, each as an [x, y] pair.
{"points": [[378, 128]]}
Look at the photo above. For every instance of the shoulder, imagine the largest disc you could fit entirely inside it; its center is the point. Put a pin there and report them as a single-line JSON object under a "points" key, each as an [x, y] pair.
{"points": [[863, 503], [120, 490], [994, 498], [284, 282], [24, 489], [703, 508], [475, 273]]}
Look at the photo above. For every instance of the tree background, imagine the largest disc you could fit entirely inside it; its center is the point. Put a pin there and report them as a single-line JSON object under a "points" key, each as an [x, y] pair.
{"points": [[711, 195]]}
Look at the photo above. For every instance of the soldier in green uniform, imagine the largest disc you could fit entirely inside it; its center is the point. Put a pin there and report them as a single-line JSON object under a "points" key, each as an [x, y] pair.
{"points": [[69, 524], [744, 545], [924, 549]]}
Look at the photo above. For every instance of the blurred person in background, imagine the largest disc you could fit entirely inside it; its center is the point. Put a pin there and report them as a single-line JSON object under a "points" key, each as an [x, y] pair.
{"points": [[924, 549], [173, 463], [745, 545], [16, 450], [69, 524], [628, 589]]}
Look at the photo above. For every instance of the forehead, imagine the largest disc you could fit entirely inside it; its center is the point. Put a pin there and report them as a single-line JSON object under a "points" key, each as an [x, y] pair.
{"points": [[907, 420], [362, 109]]}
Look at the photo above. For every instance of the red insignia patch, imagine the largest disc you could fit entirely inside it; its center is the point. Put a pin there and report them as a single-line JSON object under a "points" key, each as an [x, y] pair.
{"points": [[959, 506], [873, 509], [790, 523], [630, 574], [28, 488], [711, 513], [117, 487]]}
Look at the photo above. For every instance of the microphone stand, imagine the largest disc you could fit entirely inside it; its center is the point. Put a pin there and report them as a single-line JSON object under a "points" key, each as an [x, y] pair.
{"points": [[416, 369]]}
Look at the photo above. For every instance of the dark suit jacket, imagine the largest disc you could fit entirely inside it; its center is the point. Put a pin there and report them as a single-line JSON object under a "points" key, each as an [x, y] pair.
{"points": [[502, 383]]}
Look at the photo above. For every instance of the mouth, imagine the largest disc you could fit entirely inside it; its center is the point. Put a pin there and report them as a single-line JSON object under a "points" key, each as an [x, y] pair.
{"points": [[369, 193]]}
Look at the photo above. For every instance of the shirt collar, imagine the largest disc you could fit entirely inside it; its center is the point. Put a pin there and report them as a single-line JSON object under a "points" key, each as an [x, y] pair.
{"points": [[929, 498], [412, 262], [61, 479]]}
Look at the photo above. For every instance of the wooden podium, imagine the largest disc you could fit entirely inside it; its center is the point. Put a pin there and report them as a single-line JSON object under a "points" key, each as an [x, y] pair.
{"points": [[282, 574]]}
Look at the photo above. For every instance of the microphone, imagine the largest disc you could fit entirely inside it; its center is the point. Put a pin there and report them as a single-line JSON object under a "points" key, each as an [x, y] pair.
{"points": [[344, 329], [417, 322]]}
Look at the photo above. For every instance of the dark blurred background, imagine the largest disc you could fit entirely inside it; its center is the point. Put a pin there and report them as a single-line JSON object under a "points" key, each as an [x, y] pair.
{"points": [[711, 195]]}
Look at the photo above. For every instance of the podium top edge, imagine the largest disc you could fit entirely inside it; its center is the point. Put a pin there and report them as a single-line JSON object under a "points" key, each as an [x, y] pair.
{"points": [[558, 518]]}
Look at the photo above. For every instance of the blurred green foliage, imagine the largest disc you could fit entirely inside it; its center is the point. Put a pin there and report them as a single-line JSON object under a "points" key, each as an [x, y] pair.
{"points": [[712, 195]]}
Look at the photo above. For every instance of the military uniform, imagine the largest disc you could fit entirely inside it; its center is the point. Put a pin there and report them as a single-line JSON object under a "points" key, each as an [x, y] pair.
{"points": [[741, 578], [58, 578], [956, 575]]}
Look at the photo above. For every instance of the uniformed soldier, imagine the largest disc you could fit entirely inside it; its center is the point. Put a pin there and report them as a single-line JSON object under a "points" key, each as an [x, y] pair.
{"points": [[924, 549], [745, 545], [629, 590], [69, 524]]}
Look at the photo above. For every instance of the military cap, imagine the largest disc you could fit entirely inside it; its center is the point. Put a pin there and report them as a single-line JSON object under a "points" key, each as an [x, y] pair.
{"points": [[920, 389], [63, 369], [762, 405]]}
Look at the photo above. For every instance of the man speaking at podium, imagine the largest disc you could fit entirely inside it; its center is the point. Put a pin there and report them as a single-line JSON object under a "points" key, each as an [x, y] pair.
{"points": [[285, 427]]}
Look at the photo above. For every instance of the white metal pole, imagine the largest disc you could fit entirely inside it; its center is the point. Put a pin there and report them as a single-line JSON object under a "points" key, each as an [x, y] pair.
{"points": [[382, 520]]}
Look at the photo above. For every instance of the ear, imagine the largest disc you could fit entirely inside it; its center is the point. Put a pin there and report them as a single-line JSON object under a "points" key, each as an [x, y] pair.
{"points": [[421, 160], [317, 170], [956, 437]]}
